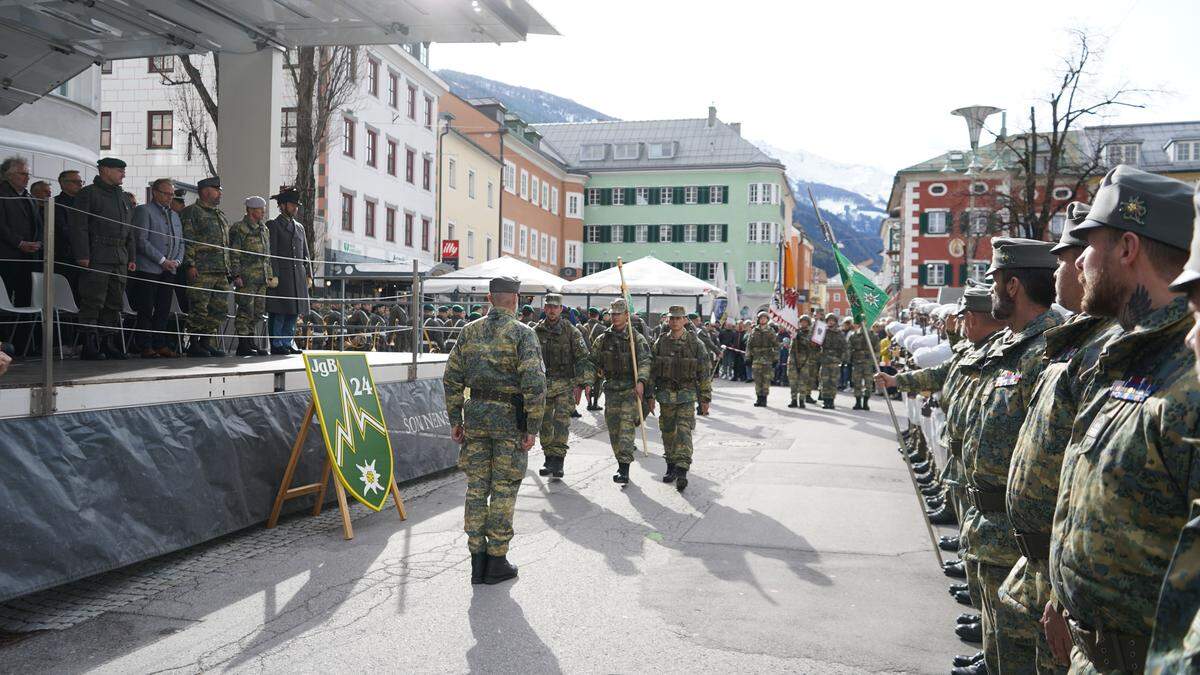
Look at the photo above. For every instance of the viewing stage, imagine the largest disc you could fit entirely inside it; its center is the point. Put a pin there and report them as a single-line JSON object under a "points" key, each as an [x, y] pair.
{"points": [[143, 458]]}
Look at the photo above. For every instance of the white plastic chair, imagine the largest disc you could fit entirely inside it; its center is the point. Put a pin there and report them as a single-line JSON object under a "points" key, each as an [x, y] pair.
{"points": [[180, 317], [64, 302], [6, 307]]}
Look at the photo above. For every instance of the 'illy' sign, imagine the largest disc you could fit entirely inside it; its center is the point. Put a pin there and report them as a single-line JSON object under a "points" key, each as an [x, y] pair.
{"points": [[450, 252]]}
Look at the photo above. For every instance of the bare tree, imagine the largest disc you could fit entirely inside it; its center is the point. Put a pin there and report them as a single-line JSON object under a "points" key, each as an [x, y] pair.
{"points": [[326, 81], [1056, 153], [196, 102]]}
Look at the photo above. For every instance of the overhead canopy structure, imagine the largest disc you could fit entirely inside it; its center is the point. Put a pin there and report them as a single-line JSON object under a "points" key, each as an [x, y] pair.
{"points": [[475, 279], [644, 276], [44, 43]]}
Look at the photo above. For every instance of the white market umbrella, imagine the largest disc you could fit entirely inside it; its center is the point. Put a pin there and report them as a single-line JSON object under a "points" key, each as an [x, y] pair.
{"points": [[644, 276], [476, 278]]}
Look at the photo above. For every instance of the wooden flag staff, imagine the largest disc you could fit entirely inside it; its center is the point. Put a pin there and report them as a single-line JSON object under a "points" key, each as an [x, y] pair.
{"points": [[633, 354]]}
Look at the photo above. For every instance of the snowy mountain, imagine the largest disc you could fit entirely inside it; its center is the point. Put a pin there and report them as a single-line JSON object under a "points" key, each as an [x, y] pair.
{"points": [[854, 219], [871, 181], [532, 105]]}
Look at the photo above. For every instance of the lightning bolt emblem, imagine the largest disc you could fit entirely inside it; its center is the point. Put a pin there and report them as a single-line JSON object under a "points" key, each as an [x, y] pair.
{"points": [[352, 415]]}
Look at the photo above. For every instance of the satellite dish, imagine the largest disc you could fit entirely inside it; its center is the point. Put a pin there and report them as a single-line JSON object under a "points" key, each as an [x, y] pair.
{"points": [[975, 115]]}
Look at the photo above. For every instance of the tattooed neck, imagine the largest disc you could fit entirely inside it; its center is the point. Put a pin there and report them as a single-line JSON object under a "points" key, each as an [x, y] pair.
{"points": [[1138, 307]]}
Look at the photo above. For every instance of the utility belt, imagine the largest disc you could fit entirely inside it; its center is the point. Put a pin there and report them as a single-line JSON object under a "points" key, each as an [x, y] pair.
{"points": [[987, 501], [111, 241], [516, 400], [1033, 546], [1108, 650], [676, 386]]}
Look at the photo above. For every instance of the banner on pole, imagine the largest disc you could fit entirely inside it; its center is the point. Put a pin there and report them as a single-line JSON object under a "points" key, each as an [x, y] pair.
{"points": [[866, 299], [352, 424]]}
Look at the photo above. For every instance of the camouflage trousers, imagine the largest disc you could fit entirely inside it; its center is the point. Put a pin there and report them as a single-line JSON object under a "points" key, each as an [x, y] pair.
{"points": [[250, 308], [621, 417], [829, 374], [862, 374], [1025, 592], [1009, 643], [798, 379], [208, 304], [494, 469], [101, 294], [557, 423], [762, 371], [676, 421]]}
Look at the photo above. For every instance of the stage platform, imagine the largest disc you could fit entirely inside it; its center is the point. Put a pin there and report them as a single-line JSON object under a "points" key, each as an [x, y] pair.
{"points": [[98, 385]]}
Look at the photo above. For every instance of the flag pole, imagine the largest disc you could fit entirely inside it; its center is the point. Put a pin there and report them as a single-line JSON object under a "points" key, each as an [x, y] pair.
{"points": [[633, 353], [856, 308]]}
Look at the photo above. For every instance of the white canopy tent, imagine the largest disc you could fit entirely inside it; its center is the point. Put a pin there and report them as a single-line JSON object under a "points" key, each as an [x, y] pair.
{"points": [[660, 284], [475, 279]]}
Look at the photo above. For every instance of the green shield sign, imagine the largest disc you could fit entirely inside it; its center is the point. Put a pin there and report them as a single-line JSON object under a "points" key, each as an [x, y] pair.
{"points": [[352, 423]]}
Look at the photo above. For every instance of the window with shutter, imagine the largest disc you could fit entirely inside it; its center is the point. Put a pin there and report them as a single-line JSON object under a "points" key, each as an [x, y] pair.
{"points": [[605, 234], [630, 234], [724, 194], [677, 195], [617, 196], [702, 196], [664, 195], [724, 233], [630, 195], [702, 232], [923, 221], [963, 270], [922, 275], [653, 232], [653, 196], [677, 233]]}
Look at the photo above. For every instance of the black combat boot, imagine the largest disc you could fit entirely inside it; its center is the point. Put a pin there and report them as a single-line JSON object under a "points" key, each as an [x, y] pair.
{"points": [[680, 479], [213, 350], [91, 348], [546, 469], [827, 403], [498, 569], [478, 567], [757, 401], [112, 347], [865, 399], [809, 399], [245, 348], [669, 476], [197, 348], [948, 544], [764, 400], [622, 475], [799, 402], [857, 403], [556, 471], [792, 403]]}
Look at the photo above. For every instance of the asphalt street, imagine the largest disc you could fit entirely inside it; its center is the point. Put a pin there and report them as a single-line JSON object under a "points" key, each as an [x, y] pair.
{"points": [[797, 547]]}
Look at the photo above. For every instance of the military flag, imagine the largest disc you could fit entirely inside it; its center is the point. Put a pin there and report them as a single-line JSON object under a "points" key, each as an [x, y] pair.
{"points": [[866, 299]]}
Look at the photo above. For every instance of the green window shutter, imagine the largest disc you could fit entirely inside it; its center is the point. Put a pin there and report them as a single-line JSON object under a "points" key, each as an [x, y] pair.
{"points": [[605, 234], [652, 234], [655, 194], [630, 196], [962, 274], [606, 197], [702, 194], [922, 274], [703, 271], [702, 232], [924, 221], [724, 194], [725, 228], [677, 195], [677, 233], [630, 233]]}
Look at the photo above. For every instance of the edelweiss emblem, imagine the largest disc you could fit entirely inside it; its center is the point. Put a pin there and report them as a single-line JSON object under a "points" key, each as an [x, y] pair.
{"points": [[1134, 209]]}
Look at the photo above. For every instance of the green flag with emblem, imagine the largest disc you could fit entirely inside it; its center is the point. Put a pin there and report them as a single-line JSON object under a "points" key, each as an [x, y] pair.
{"points": [[352, 423], [866, 299]]}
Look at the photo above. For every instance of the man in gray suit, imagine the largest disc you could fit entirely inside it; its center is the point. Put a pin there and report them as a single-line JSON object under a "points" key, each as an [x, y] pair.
{"points": [[159, 236]]}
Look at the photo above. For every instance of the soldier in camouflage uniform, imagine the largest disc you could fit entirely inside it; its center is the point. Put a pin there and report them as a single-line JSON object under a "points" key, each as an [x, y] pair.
{"points": [[104, 243], [833, 351], [206, 259], [1023, 270], [862, 364], [800, 353], [624, 385], [1033, 474], [1129, 472], [682, 379], [711, 349], [592, 330], [568, 370], [432, 328], [498, 360], [763, 349], [250, 264]]}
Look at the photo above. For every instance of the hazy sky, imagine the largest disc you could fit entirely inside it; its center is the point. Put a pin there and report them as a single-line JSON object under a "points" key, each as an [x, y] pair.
{"points": [[863, 82]]}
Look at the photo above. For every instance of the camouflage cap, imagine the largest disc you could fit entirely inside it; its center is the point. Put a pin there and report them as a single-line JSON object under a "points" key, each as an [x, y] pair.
{"points": [[1149, 205], [618, 306], [1015, 252], [976, 299], [677, 312], [553, 299], [504, 285], [1076, 214], [1191, 271]]}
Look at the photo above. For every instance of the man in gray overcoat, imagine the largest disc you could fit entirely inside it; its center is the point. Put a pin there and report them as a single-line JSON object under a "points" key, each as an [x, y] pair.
{"points": [[287, 292]]}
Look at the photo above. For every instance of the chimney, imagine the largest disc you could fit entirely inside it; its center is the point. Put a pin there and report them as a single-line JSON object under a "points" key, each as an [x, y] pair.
{"points": [[737, 127], [712, 116]]}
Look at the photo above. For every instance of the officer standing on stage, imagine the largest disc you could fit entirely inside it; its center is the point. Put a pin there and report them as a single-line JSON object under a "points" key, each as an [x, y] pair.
{"points": [[206, 259], [104, 243], [763, 349], [250, 263], [624, 386], [862, 366], [833, 351], [292, 266], [682, 379], [568, 370], [498, 359], [801, 351]]}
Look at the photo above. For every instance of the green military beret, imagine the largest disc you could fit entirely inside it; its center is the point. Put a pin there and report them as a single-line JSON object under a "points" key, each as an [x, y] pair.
{"points": [[474, 315], [427, 307], [1015, 252], [443, 308], [476, 308], [456, 308], [526, 309], [1152, 206], [976, 299], [1076, 213], [1191, 271], [593, 310], [693, 315], [553, 299]]}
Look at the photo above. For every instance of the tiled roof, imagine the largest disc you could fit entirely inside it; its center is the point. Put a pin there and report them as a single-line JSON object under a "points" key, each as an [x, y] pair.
{"points": [[699, 145]]}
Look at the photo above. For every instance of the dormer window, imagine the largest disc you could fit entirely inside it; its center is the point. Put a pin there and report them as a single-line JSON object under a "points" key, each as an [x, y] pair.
{"points": [[660, 150], [1185, 151], [591, 153], [626, 151], [1121, 153]]}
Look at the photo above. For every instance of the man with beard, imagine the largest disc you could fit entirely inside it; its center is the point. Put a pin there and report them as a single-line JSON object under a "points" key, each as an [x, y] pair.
{"points": [[1023, 272], [1071, 350], [1129, 472]]}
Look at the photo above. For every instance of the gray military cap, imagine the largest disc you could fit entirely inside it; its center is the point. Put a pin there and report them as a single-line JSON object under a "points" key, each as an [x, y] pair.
{"points": [[976, 299], [256, 203], [1015, 252], [1191, 271], [504, 285], [553, 299], [1149, 205], [1076, 213]]}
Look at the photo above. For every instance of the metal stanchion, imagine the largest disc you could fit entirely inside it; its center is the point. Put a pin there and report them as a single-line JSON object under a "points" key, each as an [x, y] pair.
{"points": [[415, 316], [43, 400]]}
